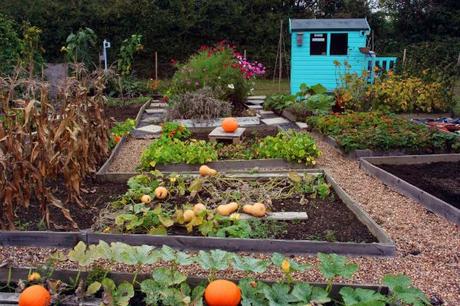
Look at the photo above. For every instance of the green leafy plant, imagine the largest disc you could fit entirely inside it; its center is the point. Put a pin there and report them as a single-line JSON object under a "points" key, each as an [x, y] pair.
{"points": [[382, 132], [173, 151], [117, 295], [291, 146], [168, 286], [333, 266], [174, 130], [402, 291], [128, 48], [279, 102], [78, 46]]}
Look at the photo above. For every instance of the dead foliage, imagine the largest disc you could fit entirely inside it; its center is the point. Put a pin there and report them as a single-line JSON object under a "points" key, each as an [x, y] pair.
{"points": [[40, 144]]}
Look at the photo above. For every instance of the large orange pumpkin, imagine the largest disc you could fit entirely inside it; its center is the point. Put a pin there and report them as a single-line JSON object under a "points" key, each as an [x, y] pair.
{"points": [[229, 125], [35, 295], [222, 293]]}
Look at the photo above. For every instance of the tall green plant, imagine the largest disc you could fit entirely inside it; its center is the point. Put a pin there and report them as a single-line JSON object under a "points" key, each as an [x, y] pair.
{"points": [[79, 46], [128, 48], [10, 45]]}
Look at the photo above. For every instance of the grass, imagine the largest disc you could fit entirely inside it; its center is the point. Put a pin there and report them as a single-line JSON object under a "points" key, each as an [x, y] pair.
{"points": [[124, 102], [264, 87]]}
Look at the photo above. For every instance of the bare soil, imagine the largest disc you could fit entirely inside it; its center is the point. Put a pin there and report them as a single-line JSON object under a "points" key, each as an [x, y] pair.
{"points": [[440, 179], [94, 196], [121, 113], [329, 219]]}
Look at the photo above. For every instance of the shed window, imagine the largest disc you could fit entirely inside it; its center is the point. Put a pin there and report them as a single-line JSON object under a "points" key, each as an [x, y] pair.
{"points": [[339, 44], [318, 44]]}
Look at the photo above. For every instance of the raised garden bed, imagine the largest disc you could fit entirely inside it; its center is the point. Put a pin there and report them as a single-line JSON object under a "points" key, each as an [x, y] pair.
{"points": [[126, 157], [66, 276], [337, 218], [431, 180], [358, 135]]}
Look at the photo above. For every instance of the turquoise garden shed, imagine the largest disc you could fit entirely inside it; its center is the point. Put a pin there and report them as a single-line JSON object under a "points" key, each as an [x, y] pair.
{"points": [[317, 43]]}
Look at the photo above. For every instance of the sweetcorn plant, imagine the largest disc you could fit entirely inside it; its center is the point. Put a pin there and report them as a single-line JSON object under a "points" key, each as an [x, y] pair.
{"points": [[291, 146]]}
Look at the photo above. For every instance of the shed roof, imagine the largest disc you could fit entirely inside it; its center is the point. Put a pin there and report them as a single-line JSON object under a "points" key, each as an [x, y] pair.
{"points": [[355, 24]]}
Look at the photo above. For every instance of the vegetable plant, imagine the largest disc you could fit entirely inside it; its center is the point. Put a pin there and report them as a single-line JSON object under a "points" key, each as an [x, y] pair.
{"points": [[168, 286]]}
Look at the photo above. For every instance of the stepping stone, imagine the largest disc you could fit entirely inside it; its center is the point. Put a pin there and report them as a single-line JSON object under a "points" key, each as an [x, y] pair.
{"points": [[151, 111], [152, 129], [274, 121], [255, 102], [150, 120], [302, 125], [257, 97], [255, 106], [219, 133], [266, 112], [158, 105], [242, 121], [288, 126]]}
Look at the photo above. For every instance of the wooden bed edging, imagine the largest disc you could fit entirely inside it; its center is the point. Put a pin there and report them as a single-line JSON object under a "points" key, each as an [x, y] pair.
{"points": [[384, 247], [430, 202], [118, 146], [104, 176], [118, 277]]}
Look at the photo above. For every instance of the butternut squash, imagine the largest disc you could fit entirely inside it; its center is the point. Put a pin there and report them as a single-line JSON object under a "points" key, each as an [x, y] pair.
{"points": [[188, 215], [197, 208], [206, 171], [227, 209], [255, 210]]}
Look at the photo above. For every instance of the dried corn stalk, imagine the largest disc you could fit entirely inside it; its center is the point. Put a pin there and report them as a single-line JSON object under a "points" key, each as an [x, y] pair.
{"points": [[40, 145]]}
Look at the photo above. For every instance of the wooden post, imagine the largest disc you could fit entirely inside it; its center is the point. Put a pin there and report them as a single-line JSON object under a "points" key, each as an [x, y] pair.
{"points": [[156, 66], [244, 53], [458, 60], [404, 58], [281, 56]]}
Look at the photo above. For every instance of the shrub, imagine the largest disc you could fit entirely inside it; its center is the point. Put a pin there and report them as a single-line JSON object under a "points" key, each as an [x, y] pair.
{"points": [[399, 94], [383, 132], [221, 68], [175, 130], [199, 104], [10, 45]]}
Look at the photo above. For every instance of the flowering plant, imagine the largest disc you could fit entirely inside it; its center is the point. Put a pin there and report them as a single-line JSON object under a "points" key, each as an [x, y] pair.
{"points": [[221, 68]]}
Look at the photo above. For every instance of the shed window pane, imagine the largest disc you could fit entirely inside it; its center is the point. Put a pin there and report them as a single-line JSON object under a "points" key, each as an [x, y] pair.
{"points": [[318, 44], [339, 44]]}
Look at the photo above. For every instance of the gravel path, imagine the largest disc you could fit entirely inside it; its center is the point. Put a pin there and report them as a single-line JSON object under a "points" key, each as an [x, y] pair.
{"points": [[129, 156], [428, 246]]}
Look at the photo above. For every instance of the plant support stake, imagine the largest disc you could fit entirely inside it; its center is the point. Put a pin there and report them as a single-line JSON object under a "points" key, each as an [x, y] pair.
{"points": [[105, 46]]}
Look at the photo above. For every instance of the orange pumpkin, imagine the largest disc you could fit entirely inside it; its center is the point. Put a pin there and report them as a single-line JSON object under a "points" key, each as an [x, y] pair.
{"points": [[222, 293], [35, 295], [229, 125]]}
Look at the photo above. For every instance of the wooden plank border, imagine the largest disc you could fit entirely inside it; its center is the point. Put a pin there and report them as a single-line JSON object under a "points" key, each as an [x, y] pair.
{"points": [[430, 202], [261, 165], [116, 150], [384, 247]]}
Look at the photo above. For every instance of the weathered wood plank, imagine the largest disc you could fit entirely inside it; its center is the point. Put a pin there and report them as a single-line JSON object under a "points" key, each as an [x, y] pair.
{"points": [[426, 199]]}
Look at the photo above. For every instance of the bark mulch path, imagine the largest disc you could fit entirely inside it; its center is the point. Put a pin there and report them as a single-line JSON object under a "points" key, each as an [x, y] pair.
{"points": [[428, 246]]}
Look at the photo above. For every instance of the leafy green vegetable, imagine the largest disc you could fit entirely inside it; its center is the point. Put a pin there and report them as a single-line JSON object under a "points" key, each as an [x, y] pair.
{"points": [[402, 291], [361, 297]]}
